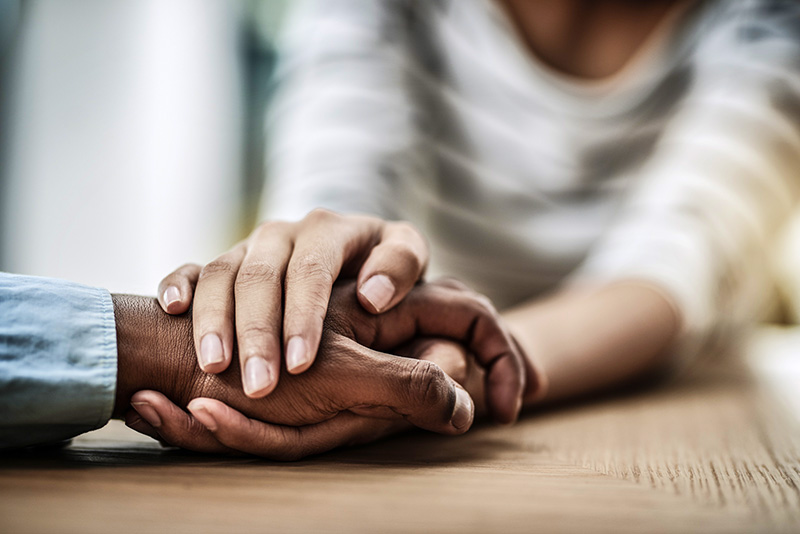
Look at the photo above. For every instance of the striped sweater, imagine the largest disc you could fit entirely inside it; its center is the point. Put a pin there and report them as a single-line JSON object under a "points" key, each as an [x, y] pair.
{"points": [[678, 170]]}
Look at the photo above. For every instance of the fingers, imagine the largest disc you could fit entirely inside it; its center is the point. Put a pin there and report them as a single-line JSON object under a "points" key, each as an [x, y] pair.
{"points": [[173, 425], [258, 303], [417, 390], [315, 265], [276, 287], [446, 311], [392, 268], [176, 290], [213, 311], [325, 243], [286, 443]]}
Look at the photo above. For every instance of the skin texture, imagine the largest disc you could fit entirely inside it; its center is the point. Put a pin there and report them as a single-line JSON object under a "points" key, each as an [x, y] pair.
{"points": [[272, 290], [590, 339], [577, 340], [446, 308], [351, 394], [212, 426], [585, 340]]}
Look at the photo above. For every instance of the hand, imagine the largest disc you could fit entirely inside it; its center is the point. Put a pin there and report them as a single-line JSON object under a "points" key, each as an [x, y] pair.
{"points": [[296, 264], [448, 309], [213, 427], [155, 353], [445, 308], [463, 316]]}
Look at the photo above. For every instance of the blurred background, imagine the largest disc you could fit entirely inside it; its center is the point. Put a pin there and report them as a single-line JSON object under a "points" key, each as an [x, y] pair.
{"points": [[131, 137], [131, 134]]}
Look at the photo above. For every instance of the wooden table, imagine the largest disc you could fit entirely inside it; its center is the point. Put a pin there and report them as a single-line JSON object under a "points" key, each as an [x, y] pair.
{"points": [[717, 451]]}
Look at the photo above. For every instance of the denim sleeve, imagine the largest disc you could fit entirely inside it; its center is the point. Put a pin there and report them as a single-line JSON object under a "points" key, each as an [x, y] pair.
{"points": [[58, 359]]}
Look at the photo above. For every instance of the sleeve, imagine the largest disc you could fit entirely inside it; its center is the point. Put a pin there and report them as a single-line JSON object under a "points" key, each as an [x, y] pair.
{"points": [[724, 177], [58, 359], [342, 127]]}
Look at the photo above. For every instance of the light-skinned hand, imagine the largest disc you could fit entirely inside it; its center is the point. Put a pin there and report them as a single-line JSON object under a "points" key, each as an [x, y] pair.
{"points": [[272, 290]]}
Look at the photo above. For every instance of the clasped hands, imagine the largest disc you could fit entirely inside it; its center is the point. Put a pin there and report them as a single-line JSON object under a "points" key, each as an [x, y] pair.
{"points": [[375, 353]]}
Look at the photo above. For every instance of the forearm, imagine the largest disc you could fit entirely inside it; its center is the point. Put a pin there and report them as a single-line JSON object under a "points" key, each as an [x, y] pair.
{"points": [[586, 340], [154, 351]]}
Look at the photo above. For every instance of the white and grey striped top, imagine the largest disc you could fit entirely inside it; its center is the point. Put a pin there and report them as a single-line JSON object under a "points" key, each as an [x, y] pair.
{"points": [[678, 170]]}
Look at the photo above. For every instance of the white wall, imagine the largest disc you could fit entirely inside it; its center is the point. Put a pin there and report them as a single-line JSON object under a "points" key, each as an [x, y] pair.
{"points": [[124, 153]]}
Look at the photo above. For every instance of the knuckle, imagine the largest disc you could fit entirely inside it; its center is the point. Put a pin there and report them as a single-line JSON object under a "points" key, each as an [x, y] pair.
{"points": [[362, 220], [283, 443], [450, 282], [321, 216], [183, 434], [187, 268], [406, 229], [219, 267], [254, 337], [254, 272], [255, 331], [482, 304], [485, 303], [408, 261], [258, 342], [268, 228], [407, 233], [311, 267], [427, 383]]}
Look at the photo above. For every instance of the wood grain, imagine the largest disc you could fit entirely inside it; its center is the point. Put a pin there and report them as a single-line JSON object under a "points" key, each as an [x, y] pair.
{"points": [[715, 451]]}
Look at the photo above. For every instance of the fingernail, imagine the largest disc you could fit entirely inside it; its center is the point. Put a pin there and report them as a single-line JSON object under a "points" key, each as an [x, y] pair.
{"points": [[202, 414], [210, 350], [171, 295], [462, 413], [257, 376], [296, 353], [378, 290], [148, 413]]}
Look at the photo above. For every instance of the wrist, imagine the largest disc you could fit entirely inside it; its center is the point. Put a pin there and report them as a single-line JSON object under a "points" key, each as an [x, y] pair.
{"points": [[154, 350]]}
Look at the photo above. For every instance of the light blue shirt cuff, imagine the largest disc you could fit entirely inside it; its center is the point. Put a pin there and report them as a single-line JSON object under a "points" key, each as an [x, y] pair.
{"points": [[58, 359]]}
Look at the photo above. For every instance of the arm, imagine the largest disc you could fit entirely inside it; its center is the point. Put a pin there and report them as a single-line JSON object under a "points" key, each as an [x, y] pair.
{"points": [[686, 260], [588, 339], [247, 283], [721, 182], [71, 359], [66, 349], [439, 309], [57, 359], [155, 353]]}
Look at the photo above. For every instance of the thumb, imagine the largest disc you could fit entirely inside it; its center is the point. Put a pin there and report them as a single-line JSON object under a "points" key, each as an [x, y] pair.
{"points": [[393, 267], [418, 390]]}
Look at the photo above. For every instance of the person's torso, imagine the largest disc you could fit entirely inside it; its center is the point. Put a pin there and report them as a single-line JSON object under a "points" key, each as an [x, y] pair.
{"points": [[528, 167]]}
